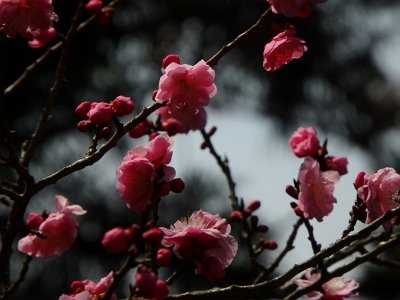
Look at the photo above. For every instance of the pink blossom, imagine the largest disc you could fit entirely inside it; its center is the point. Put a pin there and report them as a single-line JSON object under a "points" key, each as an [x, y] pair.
{"points": [[122, 105], [100, 113], [316, 190], [282, 49], [380, 192], [89, 290], [204, 239], [335, 289], [117, 240], [338, 164], [304, 142], [186, 89], [150, 286], [293, 8], [59, 229], [170, 59], [32, 19], [137, 173]]}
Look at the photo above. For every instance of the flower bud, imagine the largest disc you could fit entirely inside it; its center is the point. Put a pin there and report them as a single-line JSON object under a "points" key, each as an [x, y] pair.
{"points": [[117, 240], [271, 245], [100, 113], [298, 212], [83, 108], [292, 191], [262, 228], [170, 59], [236, 216], [122, 106], [94, 6], [254, 221], [164, 257], [83, 125], [153, 236], [253, 205], [359, 181], [34, 220], [177, 185]]}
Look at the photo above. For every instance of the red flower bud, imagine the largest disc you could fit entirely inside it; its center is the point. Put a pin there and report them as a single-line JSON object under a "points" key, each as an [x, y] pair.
{"points": [[177, 185], [164, 257], [170, 59], [153, 236], [253, 205], [82, 109], [236, 216], [292, 191]]}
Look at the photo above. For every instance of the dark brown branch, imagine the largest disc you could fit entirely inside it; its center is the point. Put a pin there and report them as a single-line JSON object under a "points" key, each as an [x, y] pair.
{"points": [[241, 37], [96, 156], [276, 287], [13, 288]]}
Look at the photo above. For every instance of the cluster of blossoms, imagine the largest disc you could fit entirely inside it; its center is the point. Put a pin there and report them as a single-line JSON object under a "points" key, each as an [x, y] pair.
{"points": [[284, 47], [203, 240], [335, 289], [186, 90], [317, 176], [100, 113], [144, 176], [89, 290], [51, 234], [32, 19]]}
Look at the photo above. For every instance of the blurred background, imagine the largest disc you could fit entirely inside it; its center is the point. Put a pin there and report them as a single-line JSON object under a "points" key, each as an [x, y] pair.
{"points": [[346, 86]]}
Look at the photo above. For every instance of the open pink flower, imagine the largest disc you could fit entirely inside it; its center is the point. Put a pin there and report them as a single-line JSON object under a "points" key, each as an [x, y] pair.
{"points": [[335, 289], [203, 239], [186, 89], [59, 230], [32, 19], [293, 8], [89, 290], [141, 168], [380, 192], [304, 142], [316, 190], [282, 49]]}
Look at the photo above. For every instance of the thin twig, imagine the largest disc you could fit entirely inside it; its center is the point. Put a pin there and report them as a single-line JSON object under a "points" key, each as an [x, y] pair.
{"points": [[13, 288]]}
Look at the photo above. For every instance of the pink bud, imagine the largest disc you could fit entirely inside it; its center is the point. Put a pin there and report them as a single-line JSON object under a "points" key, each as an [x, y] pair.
{"points": [[145, 280], [271, 245], [298, 211], [292, 191], [359, 181], [83, 108], [212, 131], [172, 126], [177, 185], [83, 125], [161, 290], [153, 236], [34, 220], [236, 216], [253, 205], [170, 59], [164, 257], [254, 221], [94, 6], [100, 113], [117, 240], [122, 106], [141, 129], [304, 142], [153, 135]]}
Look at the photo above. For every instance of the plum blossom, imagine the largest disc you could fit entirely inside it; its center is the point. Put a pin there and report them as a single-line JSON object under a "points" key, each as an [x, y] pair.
{"points": [[186, 89], [293, 8], [316, 190], [380, 192], [141, 168], [282, 49], [89, 290], [59, 230], [32, 19], [203, 239], [335, 289], [149, 285], [304, 142]]}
